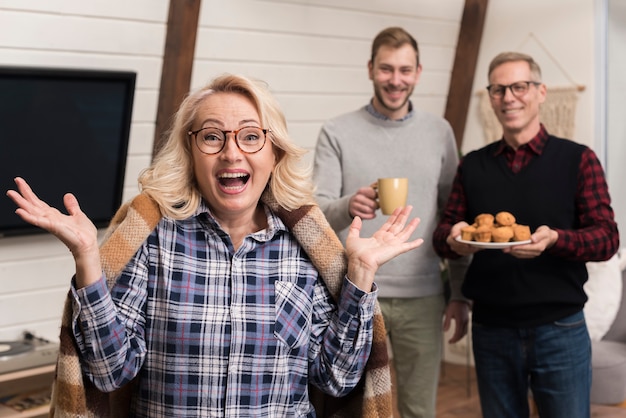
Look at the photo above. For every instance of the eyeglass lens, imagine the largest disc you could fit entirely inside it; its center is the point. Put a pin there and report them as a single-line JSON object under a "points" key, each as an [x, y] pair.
{"points": [[213, 140], [518, 89]]}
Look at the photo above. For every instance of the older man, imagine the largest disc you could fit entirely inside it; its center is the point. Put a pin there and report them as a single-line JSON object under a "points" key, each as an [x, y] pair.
{"points": [[528, 327]]}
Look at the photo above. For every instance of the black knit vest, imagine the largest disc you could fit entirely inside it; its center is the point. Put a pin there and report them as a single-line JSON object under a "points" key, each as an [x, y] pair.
{"points": [[508, 291]]}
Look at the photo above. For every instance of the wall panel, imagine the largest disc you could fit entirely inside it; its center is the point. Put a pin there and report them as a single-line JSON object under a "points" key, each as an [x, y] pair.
{"points": [[107, 36], [331, 20], [35, 274], [148, 68], [30, 307], [437, 10], [146, 10], [312, 53], [35, 271]]}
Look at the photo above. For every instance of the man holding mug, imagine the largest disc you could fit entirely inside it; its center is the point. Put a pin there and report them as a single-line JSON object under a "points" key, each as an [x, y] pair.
{"points": [[386, 138]]}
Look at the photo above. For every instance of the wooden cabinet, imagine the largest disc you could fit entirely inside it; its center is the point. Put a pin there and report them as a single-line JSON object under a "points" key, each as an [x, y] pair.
{"points": [[24, 382]]}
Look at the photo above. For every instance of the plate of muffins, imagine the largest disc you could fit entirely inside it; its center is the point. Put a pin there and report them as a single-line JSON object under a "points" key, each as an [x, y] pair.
{"points": [[495, 232]]}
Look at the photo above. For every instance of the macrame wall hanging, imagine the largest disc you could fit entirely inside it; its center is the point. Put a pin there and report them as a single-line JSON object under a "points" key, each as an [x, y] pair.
{"points": [[557, 113]]}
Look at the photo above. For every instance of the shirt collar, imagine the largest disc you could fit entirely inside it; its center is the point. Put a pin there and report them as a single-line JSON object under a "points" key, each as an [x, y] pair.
{"points": [[274, 223], [372, 111], [535, 145]]}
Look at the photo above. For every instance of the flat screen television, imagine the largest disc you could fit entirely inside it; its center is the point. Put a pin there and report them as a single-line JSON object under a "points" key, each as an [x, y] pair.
{"points": [[64, 130]]}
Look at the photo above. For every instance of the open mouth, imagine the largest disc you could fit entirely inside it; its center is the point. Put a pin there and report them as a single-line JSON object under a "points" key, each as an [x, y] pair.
{"points": [[233, 180]]}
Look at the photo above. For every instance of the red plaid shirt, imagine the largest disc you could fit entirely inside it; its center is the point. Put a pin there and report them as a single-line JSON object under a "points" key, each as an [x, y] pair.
{"points": [[597, 238]]}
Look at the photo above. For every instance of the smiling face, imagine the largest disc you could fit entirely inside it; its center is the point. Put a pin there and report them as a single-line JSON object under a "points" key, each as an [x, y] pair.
{"points": [[394, 73], [519, 116], [231, 181]]}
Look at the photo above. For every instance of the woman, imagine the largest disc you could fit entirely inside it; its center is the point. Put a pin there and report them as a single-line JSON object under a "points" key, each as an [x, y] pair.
{"points": [[217, 307]]}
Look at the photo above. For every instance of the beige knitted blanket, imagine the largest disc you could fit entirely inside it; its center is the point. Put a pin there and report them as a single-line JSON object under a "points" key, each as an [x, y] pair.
{"points": [[75, 396]]}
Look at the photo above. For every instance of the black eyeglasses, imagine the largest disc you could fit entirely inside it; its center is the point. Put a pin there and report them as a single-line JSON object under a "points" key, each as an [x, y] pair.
{"points": [[497, 91], [249, 139]]}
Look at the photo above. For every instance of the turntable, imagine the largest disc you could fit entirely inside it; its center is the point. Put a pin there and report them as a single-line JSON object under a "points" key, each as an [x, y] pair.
{"points": [[29, 352]]}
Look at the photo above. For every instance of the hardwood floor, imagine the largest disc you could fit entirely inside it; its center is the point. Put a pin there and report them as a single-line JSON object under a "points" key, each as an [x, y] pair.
{"points": [[458, 396]]}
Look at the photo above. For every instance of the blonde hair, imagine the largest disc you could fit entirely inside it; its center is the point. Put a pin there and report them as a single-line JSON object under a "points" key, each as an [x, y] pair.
{"points": [[170, 179]]}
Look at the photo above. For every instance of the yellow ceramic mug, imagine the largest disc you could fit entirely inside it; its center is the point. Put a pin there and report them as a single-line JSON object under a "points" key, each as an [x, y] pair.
{"points": [[392, 193]]}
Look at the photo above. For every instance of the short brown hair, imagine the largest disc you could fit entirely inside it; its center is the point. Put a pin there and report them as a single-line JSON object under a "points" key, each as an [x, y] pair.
{"points": [[394, 37], [505, 57]]}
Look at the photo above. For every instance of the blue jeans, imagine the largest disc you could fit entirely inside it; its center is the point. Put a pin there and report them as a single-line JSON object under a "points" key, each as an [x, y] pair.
{"points": [[552, 360]]}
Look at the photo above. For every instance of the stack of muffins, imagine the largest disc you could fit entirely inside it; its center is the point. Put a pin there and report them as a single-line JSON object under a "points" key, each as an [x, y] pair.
{"points": [[499, 228]]}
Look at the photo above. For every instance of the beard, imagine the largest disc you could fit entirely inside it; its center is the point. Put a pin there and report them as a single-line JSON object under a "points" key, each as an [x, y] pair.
{"points": [[378, 92]]}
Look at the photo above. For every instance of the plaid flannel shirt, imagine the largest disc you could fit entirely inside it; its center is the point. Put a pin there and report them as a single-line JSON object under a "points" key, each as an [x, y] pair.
{"points": [[217, 332]]}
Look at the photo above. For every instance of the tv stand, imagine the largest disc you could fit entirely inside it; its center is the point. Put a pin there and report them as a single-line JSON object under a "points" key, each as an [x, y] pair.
{"points": [[24, 382]]}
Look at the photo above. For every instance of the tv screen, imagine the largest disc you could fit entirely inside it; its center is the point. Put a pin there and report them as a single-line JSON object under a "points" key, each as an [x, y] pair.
{"points": [[64, 130]]}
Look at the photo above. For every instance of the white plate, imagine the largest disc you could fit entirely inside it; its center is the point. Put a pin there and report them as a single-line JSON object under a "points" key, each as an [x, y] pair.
{"points": [[492, 245]]}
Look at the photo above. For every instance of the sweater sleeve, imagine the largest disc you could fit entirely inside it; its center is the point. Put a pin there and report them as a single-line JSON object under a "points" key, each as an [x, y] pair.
{"points": [[326, 168], [454, 211], [457, 266]]}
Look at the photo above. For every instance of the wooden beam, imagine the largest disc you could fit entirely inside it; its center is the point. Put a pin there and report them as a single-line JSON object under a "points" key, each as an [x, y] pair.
{"points": [[464, 69], [180, 44]]}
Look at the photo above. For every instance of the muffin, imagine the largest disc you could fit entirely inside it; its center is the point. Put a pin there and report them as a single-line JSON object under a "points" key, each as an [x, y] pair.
{"points": [[483, 233], [505, 218], [521, 233], [484, 219], [467, 233], [502, 234]]}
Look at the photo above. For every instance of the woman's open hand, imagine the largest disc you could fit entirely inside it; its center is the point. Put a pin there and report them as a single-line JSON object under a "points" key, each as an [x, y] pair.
{"points": [[366, 255], [75, 230]]}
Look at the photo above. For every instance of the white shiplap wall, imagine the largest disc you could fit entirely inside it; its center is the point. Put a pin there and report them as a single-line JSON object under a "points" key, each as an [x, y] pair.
{"points": [[312, 53], [96, 34]]}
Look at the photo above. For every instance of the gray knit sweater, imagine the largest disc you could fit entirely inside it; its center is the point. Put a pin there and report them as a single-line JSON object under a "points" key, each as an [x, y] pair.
{"points": [[355, 149]]}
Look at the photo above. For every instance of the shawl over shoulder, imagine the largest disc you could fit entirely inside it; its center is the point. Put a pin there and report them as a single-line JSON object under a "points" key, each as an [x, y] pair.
{"points": [[73, 395]]}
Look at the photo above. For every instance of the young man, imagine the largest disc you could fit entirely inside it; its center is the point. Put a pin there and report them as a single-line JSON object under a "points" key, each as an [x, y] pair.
{"points": [[529, 330], [389, 137]]}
